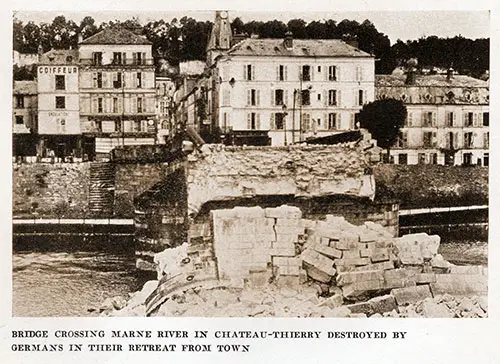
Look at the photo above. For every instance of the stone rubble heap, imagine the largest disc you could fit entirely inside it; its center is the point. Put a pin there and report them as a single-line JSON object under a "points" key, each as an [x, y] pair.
{"points": [[272, 262]]}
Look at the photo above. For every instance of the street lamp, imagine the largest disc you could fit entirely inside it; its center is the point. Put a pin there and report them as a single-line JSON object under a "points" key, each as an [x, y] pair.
{"points": [[284, 120]]}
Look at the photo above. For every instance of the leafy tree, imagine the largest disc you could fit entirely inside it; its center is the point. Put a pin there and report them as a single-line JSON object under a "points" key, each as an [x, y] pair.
{"points": [[383, 119]]}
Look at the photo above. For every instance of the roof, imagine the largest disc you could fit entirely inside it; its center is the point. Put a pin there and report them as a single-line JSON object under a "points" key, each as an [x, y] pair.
{"points": [[301, 48], [60, 56], [429, 81], [192, 68], [116, 35], [25, 87]]}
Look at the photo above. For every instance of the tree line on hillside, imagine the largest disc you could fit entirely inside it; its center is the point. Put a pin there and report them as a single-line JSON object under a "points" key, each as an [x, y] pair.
{"points": [[186, 39]]}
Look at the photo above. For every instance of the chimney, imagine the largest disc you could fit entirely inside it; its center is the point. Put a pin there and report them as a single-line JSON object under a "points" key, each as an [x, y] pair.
{"points": [[411, 73], [288, 42], [449, 74]]}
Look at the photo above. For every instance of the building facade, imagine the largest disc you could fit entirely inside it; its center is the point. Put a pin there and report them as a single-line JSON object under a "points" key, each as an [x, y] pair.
{"points": [[24, 117], [117, 89], [448, 118], [285, 89], [59, 104], [165, 89]]}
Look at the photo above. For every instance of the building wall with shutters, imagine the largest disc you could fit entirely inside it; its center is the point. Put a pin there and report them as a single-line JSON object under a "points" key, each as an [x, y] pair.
{"points": [[244, 76]]}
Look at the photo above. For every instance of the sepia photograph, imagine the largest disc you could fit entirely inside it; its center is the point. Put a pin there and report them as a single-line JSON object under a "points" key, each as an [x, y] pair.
{"points": [[229, 163]]}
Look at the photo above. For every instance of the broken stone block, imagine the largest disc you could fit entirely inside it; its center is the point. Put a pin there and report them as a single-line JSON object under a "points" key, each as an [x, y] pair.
{"points": [[352, 262], [360, 307], [431, 309], [318, 260], [408, 295], [349, 239], [340, 312], [376, 266], [318, 275], [328, 251], [366, 252], [351, 254], [381, 304], [284, 211], [466, 269], [360, 276], [380, 255], [332, 302], [460, 285], [360, 289], [425, 278]]}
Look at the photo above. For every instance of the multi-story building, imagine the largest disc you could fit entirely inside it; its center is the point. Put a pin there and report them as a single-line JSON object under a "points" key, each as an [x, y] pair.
{"points": [[288, 89], [448, 118], [165, 89], [58, 104], [117, 89], [24, 117]]}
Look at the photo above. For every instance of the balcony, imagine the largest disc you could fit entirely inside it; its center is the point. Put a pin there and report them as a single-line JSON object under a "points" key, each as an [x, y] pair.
{"points": [[124, 62]]}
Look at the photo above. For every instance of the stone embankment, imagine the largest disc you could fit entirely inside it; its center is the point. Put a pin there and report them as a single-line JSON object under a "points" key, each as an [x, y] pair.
{"points": [[271, 262]]}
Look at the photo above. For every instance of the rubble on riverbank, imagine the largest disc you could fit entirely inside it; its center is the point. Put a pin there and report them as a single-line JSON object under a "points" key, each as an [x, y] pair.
{"points": [[327, 268]]}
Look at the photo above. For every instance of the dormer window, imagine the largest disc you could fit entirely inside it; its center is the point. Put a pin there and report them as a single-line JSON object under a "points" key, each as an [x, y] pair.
{"points": [[404, 97]]}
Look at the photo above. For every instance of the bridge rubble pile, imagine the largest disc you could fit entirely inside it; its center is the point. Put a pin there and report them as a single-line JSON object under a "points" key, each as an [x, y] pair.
{"points": [[272, 262]]}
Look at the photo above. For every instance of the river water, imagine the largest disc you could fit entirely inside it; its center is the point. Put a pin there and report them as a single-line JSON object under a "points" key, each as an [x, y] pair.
{"points": [[76, 283], [69, 284]]}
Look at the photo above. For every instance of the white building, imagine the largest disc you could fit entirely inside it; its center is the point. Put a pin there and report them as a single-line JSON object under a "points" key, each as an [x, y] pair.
{"points": [[448, 118], [287, 90]]}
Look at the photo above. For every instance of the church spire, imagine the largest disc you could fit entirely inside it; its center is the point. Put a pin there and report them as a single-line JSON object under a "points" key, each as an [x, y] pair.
{"points": [[221, 36]]}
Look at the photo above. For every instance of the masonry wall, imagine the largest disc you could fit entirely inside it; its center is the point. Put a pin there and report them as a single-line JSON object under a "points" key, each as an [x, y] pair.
{"points": [[50, 190], [420, 186], [225, 173], [133, 179]]}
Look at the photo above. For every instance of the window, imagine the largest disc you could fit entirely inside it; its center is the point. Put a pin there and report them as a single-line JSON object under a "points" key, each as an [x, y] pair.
{"points": [[427, 118], [486, 119], [139, 80], [306, 122], [279, 97], [356, 120], [115, 104], [306, 73], [139, 58], [359, 73], [450, 117], [139, 105], [422, 158], [403, 158], [402, 141], [360, 97], [332, 121], [486, 159], [433, 158], [468, 140], [281, 73], [99, 105], [19, 101], [117, 80], [253, 120], [279, 120], [117, 58], [249, 72], [319, 97], [19, 120], [467, 159], [486, 140], [306, 97], [429, 139], [97, 58], [60, 82], [98, 80], [319, 68], [253, 97], [332, 97], [409, 119], [332, 73], [469, 119], [60, 102]]}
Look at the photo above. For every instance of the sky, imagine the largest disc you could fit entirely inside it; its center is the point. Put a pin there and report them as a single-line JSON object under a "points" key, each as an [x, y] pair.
{"points": [[396, 25]]}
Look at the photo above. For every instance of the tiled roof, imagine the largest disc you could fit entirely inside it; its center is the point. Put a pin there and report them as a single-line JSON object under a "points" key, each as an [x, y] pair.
{"points": [[116, 35], [25, 87], [60, 57], [429, 81], [301, 48]]}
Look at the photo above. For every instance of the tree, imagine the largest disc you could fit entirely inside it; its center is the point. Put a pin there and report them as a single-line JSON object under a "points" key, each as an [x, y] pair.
{"points": [[383, 119]]}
